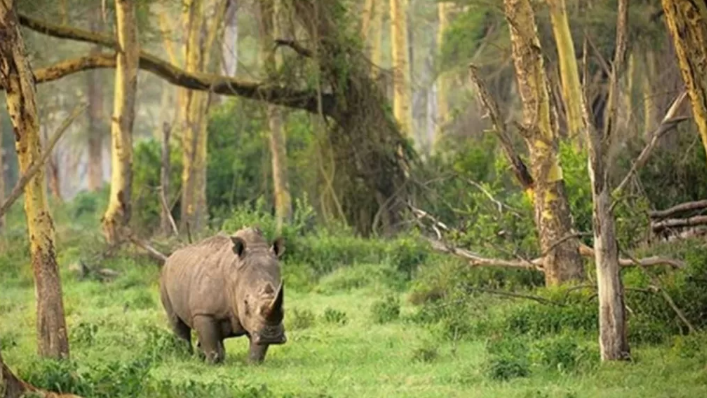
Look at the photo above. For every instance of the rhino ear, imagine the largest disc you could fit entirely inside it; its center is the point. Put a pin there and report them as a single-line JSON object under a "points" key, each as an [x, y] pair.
{"points": [[238, 245], [278, 246]]}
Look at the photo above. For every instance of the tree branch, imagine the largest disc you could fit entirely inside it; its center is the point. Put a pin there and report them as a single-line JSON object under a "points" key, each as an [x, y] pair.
{"points": [[37, 165], [682, 207], [669, 122], [224, 85], [487, 101], [305, 52], [678, 223]]}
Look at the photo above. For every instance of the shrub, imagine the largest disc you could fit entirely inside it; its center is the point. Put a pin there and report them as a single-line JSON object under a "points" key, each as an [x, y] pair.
{"points": [[426, 353], [507, 359], [335, 316], [564, 354], [386, 310]]}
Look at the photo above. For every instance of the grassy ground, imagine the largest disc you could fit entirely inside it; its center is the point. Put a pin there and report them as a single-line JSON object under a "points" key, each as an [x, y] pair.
{"points": [[113, 326]]}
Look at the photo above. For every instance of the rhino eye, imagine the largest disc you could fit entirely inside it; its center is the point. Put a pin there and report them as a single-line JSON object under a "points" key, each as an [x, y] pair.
{"points": [[247, 308]]}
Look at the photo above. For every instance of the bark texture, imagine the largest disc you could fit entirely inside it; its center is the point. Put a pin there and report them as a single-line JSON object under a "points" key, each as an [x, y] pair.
{"points": [[402, 107], [613, 340], [569, 72], [278, 148], [20, 95], [194, 117], [2, 179], [119, 207], [552, 214], [687, 23]]}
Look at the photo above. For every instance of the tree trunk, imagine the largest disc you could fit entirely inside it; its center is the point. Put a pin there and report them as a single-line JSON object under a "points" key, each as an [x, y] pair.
{"points": [[569, 72], [53, 178], [270, 30], [443, 83], [165, 216], [194, 118], [376, 36], [2, 179], [20, 95], [401, 65], [552, 213], [613, 342], [649, 108], [96, 124], [229, 47], [687, 23], [119, 207]]}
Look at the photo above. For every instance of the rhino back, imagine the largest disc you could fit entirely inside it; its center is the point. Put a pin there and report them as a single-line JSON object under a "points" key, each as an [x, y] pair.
{"points": [[195, 280]]}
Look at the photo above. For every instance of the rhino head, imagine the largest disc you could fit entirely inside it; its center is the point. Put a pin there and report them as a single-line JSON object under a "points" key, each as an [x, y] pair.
{"points": [[259, 288]]}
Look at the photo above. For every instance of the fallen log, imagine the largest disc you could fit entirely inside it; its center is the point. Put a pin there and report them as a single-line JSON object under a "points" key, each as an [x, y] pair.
{"points": [[694, 221], [12, 386], [681, 208]]}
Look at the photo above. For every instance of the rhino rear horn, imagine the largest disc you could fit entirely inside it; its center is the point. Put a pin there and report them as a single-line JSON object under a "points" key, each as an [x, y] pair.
{"points": [[276, 305], [238, 245]]}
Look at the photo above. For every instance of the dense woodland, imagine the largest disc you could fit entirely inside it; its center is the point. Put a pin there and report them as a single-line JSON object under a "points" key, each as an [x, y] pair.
{"points": [[477, 197]]}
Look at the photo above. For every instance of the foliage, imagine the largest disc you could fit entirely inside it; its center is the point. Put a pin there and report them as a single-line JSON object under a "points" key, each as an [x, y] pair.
{"points": [[386, 310], [334, 316], [507, 359]]}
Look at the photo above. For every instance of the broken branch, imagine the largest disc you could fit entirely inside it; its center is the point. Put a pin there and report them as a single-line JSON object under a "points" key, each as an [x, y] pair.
{"points": [[678, 223], [37, 165], [305, 52], [682, 207]]}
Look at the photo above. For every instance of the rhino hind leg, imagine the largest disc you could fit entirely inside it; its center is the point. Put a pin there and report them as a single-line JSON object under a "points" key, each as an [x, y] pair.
{"points": [[179, 327], [257, 352], [210, 342]]}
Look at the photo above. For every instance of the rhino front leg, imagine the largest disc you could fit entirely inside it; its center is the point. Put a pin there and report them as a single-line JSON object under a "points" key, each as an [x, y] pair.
{"points": [[209, 337], [257, 352]]}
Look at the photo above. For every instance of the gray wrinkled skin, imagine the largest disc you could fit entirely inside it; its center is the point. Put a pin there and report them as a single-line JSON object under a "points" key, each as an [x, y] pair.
{"points": [[226, 286]]}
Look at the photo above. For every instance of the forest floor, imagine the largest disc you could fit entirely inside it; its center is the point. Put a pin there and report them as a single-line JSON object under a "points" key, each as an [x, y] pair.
{"points": [[119, 339]]}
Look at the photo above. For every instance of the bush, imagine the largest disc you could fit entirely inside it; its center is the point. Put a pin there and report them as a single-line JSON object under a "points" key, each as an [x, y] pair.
{"points": [[386, 310], [335, 316], [507, 359], [426, 353], [564, 354]]}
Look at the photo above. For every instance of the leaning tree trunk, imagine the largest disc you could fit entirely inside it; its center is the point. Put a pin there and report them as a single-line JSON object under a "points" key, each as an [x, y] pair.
{"points": [[613, 341], [402, 108], [278, 149], [119, 207], [443, 82], [375, 37], [569, 72], [687, 22], [2, 179], [562, 261], [18, 82], [229, 46]]}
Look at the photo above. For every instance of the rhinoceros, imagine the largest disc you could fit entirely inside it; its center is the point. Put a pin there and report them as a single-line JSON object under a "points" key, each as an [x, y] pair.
{"points": [[226, 286]]}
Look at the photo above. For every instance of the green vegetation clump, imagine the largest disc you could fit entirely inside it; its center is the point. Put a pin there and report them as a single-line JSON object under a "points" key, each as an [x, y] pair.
{"points": [[386, 310]]}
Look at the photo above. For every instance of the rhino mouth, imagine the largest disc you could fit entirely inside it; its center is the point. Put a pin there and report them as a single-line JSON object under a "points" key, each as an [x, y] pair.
{"points": [[269, 335]]}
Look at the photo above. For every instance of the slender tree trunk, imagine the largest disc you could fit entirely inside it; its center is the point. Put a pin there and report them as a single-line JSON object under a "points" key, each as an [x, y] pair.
{"points": [[195, 118], [649, 108], [552, 213], [2, 179], [443, 81], [229, 47], [687, 23], [119, 207], [569, 72], [613, 340], [270, 30], [375, 36], [96, 124], [17, 79], [53, 178], [165, 217], [402, 108]]}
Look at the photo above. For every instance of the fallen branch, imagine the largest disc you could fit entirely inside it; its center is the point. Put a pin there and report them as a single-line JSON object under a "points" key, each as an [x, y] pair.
{"points": [[587, 251], [682, 207], [669, 122], [151, 251], [36, 166], [476, 260], [12, 386], [678, 223]]}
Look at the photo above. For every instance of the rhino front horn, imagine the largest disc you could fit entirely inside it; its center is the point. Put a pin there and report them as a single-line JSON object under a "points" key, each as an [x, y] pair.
{"points": [[276, 305]]}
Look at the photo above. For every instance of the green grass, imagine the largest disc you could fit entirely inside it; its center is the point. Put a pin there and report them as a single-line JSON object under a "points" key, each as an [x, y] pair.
{"points": [[122, 321]]}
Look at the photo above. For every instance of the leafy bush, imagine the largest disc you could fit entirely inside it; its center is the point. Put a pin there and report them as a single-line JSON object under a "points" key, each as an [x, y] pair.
{"points": [[386, 310], [335, 316], [564, 354], [507, 359]]}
